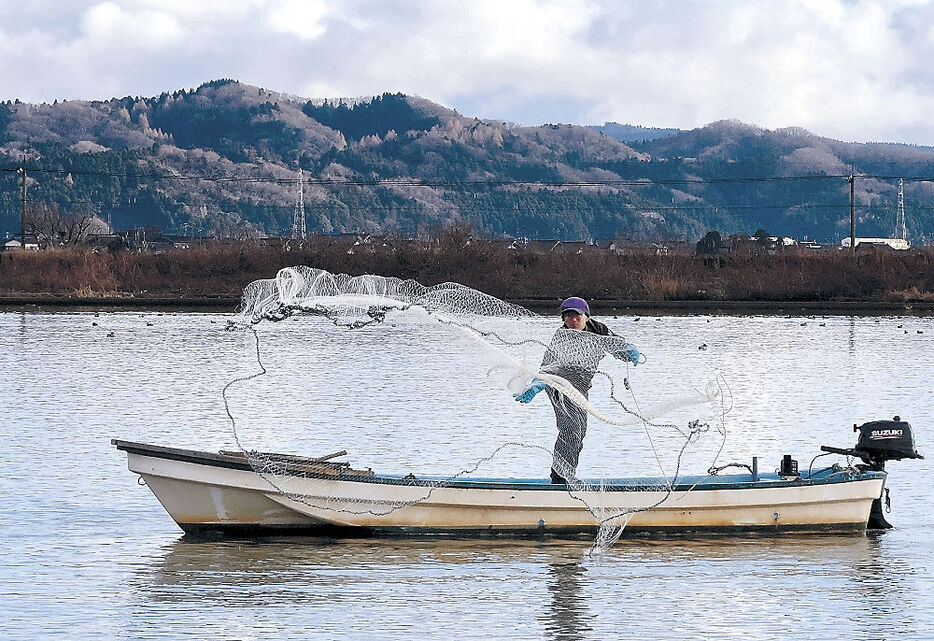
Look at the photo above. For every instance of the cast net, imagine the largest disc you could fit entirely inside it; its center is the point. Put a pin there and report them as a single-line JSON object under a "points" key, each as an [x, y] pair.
{"points": [[420, 383]]}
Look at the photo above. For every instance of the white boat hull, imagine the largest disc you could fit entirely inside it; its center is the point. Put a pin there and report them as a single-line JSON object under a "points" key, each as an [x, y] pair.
{"points": [[206, 492]]}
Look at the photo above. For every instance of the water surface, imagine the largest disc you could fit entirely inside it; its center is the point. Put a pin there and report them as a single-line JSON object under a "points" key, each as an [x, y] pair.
{"points": [[87, 553]]}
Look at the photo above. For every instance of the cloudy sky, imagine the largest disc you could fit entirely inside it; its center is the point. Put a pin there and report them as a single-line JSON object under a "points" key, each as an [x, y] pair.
{"points": [[853, 70]]}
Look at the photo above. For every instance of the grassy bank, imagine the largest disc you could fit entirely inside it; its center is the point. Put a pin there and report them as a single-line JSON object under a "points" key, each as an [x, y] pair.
{"points": [[222, 270]]}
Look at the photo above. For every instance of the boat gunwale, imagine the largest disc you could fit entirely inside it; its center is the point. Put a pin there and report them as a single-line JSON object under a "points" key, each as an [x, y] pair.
{"points": [[648, 484]]}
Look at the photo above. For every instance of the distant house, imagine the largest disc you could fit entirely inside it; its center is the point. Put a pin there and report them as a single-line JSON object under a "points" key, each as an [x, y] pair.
{"points": [[15, 243], [542, 246], [812, 245], [151, 239], [623, 246], [354, 239], [107, 242], [894, 243], [517, 244], [159, 245], [742, 244], [573, 247], [149, 233], [677, 246], [179, 242], [357, 242]]}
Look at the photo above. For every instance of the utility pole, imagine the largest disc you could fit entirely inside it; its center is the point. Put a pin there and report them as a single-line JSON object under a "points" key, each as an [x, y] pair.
{"points": [[298, 216], [22, 209], [852, 180], [301, 201], [901, 230]]}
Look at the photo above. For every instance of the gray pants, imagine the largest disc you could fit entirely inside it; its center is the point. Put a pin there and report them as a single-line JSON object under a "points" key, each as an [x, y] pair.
{"points": [[571, 421]]}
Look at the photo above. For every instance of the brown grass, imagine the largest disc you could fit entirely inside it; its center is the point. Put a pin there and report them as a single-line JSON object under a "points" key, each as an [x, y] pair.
{"points": [[224, 269]]}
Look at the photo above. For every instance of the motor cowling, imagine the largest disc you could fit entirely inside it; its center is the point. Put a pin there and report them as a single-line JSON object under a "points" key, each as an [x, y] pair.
{"points": [[881, 441], [885, 441]]}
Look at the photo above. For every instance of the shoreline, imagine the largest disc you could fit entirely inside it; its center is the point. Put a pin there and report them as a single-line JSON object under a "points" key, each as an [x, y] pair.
{"points": [[600, 307]]}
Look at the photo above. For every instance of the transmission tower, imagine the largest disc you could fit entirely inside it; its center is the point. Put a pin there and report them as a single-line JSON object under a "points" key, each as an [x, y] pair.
{"points": [[901, 230], [298, 218]]}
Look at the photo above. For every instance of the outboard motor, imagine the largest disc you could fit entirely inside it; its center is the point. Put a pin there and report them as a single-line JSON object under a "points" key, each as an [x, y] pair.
{"points": [[880, 441]]}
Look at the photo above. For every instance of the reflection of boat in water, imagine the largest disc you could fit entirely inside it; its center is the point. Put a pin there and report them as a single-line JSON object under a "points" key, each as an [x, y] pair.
{"points": [[222, 492], [553, 589]]}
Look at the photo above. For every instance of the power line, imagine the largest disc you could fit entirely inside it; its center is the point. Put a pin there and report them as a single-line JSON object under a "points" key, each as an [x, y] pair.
{"points": [[415, 182], [330, 205]]}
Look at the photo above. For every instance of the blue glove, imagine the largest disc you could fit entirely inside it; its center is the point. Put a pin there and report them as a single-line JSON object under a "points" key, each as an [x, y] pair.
{"points": [[534, 388], [631, 354]]}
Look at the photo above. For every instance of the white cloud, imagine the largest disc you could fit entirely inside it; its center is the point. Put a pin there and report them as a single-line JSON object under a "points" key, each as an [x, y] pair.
{"points": [[108, 24], [851, 69], [302, 18], [202, 9]]}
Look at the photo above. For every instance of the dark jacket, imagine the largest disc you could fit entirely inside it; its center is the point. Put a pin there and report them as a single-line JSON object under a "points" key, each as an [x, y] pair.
{"points": [[596, 327]]}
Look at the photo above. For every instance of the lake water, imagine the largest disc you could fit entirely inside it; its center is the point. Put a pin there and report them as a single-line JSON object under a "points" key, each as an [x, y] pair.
{"points": [[87, 553]]}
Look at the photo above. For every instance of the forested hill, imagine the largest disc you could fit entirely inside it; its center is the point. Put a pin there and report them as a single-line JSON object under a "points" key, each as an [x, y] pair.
{"points": [[224, 159]]}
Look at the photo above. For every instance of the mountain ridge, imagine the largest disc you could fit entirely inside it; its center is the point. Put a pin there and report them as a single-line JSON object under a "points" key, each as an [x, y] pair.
{"points": [[223, 158]]}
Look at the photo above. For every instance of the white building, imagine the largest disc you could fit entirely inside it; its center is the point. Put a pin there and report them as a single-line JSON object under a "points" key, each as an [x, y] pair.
{"points": [[14, 243], [894, 243]]}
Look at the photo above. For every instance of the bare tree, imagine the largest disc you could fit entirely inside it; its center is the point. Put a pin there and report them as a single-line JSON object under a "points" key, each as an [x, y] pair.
{"points": [[52, 228]]}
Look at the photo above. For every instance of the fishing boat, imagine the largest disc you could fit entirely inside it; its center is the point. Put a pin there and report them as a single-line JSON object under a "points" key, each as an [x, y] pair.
{"points": [[206, 492]]}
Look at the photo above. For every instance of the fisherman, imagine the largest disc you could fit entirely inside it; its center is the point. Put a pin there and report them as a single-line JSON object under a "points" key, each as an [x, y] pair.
{"points": [[574, 354]]}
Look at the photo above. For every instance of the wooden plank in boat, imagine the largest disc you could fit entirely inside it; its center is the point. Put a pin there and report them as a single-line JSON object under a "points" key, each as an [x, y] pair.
{"points": [[292, 457], [317, 466]]}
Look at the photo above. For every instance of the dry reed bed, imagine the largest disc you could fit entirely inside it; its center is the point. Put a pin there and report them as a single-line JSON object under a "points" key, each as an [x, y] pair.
{"points": [[224, 269]]}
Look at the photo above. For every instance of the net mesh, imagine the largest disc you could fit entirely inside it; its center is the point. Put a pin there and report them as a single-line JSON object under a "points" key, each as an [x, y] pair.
{"points": [[394, 356]]}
